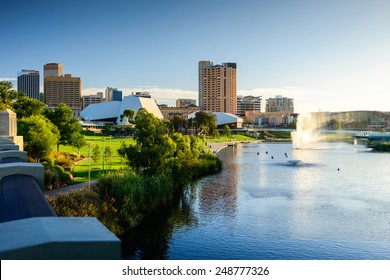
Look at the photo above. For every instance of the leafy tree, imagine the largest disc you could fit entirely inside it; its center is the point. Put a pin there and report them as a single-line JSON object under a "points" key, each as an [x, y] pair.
{"points": [[226, 131], [107, 155], [25, 107], [129, 114], [153, 151], [106, 130], [39, 136], [78, 141], [96, 153], [7, 95], [68, 126], [205, 121], [177, 123]]}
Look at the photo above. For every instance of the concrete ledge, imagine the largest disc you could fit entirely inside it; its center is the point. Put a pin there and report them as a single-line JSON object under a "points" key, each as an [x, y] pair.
{"points": [[53, 238], [6, 147], [13, 154], [4, 140], [22, 198], [35, 170]]}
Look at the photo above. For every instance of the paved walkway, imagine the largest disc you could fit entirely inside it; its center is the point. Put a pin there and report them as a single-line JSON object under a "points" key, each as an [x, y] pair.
{"points": [[217, 146], [64, 190]]}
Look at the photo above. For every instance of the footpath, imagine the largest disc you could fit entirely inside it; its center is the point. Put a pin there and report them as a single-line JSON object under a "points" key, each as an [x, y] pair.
{"points": [[215, 147], [64, 190]]}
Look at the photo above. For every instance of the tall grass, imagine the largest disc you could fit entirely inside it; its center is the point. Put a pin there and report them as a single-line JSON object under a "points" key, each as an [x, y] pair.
{"points": [[133, 195]]}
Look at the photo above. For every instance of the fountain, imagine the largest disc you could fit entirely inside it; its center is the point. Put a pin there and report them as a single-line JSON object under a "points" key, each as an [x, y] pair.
{"points": [[307, 134]]}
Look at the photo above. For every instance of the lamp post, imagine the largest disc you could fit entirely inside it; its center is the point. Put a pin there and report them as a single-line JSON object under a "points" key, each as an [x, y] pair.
{"points": [[89, 164], [103, 153]]}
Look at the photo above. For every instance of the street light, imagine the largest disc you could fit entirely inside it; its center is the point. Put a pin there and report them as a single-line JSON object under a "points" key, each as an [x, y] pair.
{"points": [[89, 164], [103, 152]]}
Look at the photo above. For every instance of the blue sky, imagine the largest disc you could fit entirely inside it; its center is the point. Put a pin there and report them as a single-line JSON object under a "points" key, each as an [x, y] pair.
{"points": [[328, 55]]}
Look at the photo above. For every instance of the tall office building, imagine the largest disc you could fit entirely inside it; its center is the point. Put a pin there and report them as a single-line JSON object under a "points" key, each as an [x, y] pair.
{"points": [[59, 88], [113, 94], [63, 89], [218, 87], [28, 83], [279, 103], [248, 103], [52, 70]]}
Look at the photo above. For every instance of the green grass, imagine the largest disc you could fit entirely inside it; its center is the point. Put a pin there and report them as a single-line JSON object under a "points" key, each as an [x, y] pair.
{"points": [[80, 172], [234, 137]]}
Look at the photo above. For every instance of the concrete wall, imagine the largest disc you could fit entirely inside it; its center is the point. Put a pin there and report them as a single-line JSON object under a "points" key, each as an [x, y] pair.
{"points": [[53, 238], [13, 154], [36, 170]]}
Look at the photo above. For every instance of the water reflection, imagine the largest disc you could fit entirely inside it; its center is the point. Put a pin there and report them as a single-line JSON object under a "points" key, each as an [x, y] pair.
{"points": [[151, 238], [218, 194]]}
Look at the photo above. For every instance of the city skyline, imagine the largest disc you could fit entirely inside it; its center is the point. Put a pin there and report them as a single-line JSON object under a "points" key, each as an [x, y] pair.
{"points": [[326, 55]]}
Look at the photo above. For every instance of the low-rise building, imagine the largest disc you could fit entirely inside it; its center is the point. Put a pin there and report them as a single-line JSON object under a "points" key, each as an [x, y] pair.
{"points": [[183, 112]]}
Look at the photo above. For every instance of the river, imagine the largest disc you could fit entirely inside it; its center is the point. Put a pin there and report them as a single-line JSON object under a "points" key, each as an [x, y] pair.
{"points": [[274, 202]]}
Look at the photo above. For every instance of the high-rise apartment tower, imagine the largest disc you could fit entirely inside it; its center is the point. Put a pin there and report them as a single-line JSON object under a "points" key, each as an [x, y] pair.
{"points": [[28, 83], [218, 87]]}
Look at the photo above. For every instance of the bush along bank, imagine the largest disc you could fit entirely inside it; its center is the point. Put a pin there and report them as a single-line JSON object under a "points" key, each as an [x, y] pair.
{"points": [[382, 147]]}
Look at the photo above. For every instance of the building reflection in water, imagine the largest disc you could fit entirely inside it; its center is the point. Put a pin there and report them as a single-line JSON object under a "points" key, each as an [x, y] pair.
{"points": [[218, 196]]}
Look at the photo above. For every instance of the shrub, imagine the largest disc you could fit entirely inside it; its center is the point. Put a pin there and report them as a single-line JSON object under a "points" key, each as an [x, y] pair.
{"points": [[56, 177]]}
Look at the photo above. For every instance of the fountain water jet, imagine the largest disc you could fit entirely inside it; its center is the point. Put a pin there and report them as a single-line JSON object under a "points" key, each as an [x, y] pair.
{"points": [[307, 134]]}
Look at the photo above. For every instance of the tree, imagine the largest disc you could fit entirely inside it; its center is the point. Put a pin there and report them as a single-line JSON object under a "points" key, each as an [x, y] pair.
{"points": [[177, 123], [68, 126], [226, 131], [7, 95], [154, 149], [205, 121], [129, 114], [78, 141], [25, 107], [107, 155], [96, 153], [106, 130], [39, 136]]}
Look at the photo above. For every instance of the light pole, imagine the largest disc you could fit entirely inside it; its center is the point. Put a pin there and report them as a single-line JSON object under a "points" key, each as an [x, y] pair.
{"points": [[103, 152], [89, 164]]}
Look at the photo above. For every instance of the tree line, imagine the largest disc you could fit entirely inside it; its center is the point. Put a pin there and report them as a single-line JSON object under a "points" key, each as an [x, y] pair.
{"points": [[42, 128]]}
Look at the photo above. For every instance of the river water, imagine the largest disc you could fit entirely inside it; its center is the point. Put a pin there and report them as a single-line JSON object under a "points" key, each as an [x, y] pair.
{"points": [[274, 202]]}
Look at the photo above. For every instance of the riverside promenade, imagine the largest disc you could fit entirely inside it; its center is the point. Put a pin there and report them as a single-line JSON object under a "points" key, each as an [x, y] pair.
{"points": [[65, 190], [215, 147]]}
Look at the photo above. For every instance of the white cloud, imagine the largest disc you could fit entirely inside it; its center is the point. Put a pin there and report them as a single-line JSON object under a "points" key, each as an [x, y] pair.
{"points": [[7, 79]]}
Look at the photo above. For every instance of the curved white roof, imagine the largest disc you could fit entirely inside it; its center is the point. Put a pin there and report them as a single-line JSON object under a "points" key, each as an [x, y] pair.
{"points": [[101, 111], [113, 109], [222, 118]]}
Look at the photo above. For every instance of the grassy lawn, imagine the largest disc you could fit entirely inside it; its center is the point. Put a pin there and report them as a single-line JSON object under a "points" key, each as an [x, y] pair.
{"points": [[235, 137], [80, 172]]}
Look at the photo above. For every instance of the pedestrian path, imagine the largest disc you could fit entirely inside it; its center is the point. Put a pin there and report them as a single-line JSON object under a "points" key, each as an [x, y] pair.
{"points": [[64, 190]]}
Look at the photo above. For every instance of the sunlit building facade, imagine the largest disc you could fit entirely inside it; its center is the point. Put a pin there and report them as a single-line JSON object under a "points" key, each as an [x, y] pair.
{"points": [[218, 87]]}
